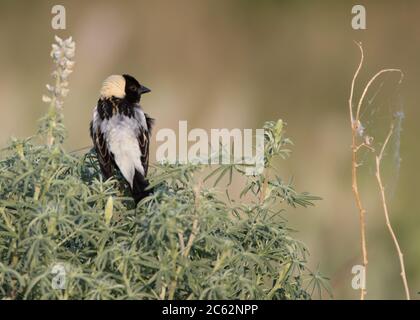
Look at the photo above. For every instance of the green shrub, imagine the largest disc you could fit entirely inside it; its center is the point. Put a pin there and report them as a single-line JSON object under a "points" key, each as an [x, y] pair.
{"points": [[188, 240]]}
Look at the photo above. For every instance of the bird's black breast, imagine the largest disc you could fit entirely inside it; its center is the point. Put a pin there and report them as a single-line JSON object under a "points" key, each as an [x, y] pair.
{"points": [[111, 106]]}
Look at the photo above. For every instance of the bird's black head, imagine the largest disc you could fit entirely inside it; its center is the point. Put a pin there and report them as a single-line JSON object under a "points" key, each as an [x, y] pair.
{"points": [[133, 89]]}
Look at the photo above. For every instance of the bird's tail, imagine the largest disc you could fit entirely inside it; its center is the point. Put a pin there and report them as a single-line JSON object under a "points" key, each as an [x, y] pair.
{"points": [[139, 187]]}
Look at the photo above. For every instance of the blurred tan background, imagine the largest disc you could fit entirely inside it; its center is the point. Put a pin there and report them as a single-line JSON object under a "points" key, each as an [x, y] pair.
{"points": [[238, 63]]}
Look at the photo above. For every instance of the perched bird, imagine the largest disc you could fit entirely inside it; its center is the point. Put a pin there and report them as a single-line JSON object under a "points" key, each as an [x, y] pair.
{"points": [[121, 132]]}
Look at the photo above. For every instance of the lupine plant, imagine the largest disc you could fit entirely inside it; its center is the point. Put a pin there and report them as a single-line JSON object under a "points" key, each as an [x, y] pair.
{"points": [[188, 240]]}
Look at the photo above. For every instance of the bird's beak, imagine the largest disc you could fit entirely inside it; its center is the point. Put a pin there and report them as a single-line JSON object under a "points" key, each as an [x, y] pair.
{"points": [[144, 90]]}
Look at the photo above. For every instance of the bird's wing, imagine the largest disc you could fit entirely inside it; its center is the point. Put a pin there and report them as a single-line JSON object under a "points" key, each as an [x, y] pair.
{"points": [[144, 142], [105, 157]]}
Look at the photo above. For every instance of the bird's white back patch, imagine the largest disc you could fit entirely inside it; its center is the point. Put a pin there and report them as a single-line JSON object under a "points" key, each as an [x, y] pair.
{"points": [[121, 134], [113, 86]]}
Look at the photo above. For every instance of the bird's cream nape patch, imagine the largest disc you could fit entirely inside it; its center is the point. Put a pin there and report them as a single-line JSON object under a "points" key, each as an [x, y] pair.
{"points": [[113, 86]]}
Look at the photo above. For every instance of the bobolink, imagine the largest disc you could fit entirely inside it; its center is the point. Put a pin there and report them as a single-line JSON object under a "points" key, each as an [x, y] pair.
{"points": [[121, 132]]}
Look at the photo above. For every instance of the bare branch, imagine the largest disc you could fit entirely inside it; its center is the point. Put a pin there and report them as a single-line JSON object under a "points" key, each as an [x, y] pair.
{"points": [[355, 124], [386, 213], [355, 188], [354, 80], [362, 98]]}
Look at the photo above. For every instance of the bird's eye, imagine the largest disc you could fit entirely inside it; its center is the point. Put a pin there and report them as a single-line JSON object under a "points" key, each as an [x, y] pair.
{"points": [[133, 88]]}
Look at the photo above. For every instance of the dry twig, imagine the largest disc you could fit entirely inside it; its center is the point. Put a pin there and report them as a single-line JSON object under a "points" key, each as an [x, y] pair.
{"points": [[362, 211], [385, 207], [357, 131]]}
